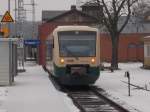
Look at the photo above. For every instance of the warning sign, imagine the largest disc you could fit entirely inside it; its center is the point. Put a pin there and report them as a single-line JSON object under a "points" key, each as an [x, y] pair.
{"points": [[7, 17]]}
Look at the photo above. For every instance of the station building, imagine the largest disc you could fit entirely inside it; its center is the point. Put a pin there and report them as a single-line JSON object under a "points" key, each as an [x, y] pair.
{"points": [[131, 47]]}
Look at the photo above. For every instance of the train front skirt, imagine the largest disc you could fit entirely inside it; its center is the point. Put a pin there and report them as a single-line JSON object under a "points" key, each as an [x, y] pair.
{"points": [[71, 77]]}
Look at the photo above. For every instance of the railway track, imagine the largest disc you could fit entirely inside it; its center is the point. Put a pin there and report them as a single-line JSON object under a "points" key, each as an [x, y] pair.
{"points": [[89, 99]]}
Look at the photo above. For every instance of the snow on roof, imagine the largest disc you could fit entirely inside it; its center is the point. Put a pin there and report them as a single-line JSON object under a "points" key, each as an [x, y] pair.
{"points": [[147, 37]]}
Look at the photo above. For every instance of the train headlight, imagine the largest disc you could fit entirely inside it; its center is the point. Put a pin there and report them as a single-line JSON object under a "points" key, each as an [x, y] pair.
{"points": [[62, 61], [93, 60]]}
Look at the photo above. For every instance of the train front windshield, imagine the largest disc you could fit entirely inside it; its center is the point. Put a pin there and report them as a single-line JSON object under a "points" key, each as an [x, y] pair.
{"points": [[77, 43]]}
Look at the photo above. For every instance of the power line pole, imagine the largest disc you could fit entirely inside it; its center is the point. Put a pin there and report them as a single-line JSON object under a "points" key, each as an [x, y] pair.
{"points": [[9, 12], [33, 4], [15, 18], [20, 22], [33, 18], [9, 5]]}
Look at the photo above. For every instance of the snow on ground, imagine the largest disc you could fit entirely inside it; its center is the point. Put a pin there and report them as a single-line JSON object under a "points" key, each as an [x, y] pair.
{"points": [[113, 85], [3, 95], [33, 92]]}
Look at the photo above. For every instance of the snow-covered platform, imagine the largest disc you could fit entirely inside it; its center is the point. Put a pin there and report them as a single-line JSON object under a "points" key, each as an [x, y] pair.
{"points": [[112, 83], [32, 92]]}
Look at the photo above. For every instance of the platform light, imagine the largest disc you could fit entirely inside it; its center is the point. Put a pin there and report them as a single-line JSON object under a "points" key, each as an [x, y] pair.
{"points": [[93, 60], [62, 61]]}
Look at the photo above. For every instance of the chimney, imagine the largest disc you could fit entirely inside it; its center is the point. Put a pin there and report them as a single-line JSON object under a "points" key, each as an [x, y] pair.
{"points": [[73, 7]]}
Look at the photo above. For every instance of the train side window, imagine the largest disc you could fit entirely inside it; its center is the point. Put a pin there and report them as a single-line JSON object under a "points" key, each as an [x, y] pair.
{"points": [[52, 41]]}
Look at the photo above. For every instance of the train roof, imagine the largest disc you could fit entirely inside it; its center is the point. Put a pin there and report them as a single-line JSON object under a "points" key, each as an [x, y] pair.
{"points": [[72, 28]]}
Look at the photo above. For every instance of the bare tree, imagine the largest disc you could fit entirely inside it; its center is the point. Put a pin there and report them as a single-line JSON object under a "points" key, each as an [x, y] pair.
{"points": [[113, 11], [140, 10]]}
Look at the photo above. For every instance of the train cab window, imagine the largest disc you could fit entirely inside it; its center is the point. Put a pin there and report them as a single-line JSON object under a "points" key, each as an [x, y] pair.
{"points": [[77, 43], [53, 42]]}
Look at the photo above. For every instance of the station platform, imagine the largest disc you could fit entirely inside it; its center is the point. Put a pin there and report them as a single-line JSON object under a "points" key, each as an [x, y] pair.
{"points": [[32, 91]]}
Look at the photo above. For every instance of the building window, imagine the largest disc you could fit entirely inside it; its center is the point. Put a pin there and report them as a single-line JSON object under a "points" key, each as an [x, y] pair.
{"points": [[140, 46], [131, 45], [148, 50], [148, 18]]}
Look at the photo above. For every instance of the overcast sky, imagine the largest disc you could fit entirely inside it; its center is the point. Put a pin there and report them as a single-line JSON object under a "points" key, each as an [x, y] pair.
{"points": [[41, 5]]}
